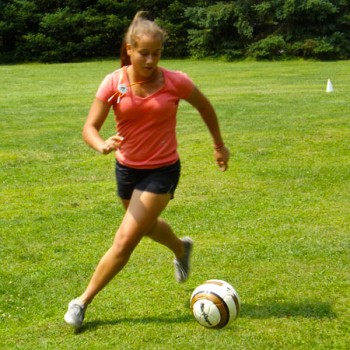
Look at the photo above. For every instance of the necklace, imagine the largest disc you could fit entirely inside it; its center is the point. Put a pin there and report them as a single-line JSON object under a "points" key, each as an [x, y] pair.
{"points": [[122, 89]]}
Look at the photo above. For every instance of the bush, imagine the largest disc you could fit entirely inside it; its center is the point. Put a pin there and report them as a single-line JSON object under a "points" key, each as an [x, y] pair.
{"points": [[64, 30], [271, 47], [218, 31], [326, 48], [37, 47]]}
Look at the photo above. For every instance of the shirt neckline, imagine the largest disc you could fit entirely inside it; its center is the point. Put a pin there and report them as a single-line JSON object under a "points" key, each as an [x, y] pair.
{"points": [[148, 96]]}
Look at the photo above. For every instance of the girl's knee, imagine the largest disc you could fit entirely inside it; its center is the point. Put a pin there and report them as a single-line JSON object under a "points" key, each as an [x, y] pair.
{"points": [[124, 243]]}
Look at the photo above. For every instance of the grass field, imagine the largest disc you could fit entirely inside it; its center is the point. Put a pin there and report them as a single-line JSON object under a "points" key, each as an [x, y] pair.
{"points": [[275, 225]]}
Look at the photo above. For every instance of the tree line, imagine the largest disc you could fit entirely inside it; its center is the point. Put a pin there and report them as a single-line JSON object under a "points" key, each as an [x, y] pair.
{"points": [[72, 30]]}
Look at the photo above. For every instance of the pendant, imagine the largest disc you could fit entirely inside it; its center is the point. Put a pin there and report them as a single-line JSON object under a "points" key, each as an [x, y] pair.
{"points": [[123, 89]]}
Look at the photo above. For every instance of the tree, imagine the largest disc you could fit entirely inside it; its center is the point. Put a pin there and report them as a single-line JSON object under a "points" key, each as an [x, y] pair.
{"points": [[218, 30], [67, 30], [301, 28], [271, 29]]}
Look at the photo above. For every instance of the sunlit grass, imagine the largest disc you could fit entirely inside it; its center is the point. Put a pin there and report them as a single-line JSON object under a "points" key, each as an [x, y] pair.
{"points": [[275, 225]]}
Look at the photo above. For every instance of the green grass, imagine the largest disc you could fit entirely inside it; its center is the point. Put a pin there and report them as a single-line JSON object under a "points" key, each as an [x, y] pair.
{"points": [[275, 225]]}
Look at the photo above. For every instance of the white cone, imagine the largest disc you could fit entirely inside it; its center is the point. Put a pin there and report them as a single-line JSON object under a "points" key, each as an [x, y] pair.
{"points": [[329, 86]]}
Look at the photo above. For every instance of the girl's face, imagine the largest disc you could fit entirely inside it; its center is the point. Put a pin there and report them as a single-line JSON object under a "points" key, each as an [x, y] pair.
{"points": [[145, 55]]}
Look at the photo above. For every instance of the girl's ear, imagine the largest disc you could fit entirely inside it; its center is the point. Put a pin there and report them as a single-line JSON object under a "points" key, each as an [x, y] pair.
{"points": [[128, 49]]}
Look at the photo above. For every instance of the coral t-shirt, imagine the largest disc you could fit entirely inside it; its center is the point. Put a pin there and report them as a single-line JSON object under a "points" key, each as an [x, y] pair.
{"points": [[148, 124]]}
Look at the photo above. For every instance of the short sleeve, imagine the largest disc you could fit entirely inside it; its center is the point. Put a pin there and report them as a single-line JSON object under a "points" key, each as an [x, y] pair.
{"points": [[185, 85], [108, 86], [180, 82]]}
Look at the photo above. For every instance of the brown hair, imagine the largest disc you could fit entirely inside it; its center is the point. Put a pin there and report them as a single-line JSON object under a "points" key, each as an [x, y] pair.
{"points": [[140, 25]]}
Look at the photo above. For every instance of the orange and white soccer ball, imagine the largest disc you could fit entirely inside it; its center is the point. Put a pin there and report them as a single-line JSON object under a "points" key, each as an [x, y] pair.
{"points": [[215, 304]]}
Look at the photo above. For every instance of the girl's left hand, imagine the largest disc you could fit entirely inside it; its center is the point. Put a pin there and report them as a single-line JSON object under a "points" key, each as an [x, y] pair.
{"points": [[222, 156]]}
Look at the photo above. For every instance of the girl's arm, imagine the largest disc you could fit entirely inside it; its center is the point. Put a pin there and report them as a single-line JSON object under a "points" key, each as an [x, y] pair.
{"points": [[91, 131], [208, 114]]}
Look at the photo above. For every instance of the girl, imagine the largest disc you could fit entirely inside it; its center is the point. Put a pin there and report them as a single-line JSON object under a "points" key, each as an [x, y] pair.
{"points": [[144, 98]]}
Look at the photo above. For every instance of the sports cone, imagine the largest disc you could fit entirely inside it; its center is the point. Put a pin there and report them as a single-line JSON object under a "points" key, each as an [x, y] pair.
{"points": [[329, 86]]}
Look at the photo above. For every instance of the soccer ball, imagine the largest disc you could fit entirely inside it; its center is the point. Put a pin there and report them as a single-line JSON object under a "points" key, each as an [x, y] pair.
{"points": [[215, 303]]}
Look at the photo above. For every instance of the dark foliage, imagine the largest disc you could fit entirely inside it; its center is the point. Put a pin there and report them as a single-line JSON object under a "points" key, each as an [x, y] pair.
{"points": [[70, 30]]}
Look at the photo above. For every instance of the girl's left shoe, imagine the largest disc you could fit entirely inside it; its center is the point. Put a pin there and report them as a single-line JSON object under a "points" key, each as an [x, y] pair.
{"points": [[75, 314]]}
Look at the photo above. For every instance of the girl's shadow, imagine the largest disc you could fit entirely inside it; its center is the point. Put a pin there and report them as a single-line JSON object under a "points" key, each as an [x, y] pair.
{"points": [[307, 309], [92, 325]]}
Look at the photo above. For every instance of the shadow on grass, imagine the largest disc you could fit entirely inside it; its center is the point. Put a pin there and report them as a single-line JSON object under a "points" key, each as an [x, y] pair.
{"points": [[92, 325], [307, 309]]}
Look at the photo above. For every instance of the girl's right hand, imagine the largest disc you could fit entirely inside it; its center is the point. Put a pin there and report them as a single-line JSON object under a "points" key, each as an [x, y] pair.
{"points": [[111, 144]]}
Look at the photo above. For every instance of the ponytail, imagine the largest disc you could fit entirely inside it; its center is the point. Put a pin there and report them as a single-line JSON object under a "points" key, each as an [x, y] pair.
{"points": [[124, 57]]}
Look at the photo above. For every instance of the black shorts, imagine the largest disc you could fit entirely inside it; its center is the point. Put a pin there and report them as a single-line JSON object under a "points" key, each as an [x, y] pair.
{"points": [[161, 180]]}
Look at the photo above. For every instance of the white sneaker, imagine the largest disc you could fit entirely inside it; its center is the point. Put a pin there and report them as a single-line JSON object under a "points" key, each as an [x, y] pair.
{"points": [[182, 266], [75, 314]]}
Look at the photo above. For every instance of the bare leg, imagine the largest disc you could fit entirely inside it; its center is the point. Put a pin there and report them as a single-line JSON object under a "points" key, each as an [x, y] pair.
{"points": [[140, 218], [162, 233]]}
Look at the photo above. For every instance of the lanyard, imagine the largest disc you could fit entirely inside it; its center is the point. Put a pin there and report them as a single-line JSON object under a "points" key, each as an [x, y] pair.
{"points": [[122, 89]]}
